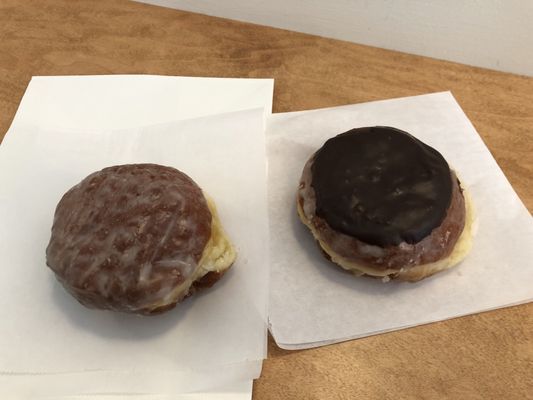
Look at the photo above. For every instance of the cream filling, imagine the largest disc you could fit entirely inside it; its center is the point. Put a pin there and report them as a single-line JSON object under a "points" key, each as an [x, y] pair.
{"points": [[417, 272], [218, 255]]}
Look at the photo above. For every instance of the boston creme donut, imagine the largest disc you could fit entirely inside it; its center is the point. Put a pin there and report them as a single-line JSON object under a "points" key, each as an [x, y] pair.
{"points": [[137, 238], [380, 202]]}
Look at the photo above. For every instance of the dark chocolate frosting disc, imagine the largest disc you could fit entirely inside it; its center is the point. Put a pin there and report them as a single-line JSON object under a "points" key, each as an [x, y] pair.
{"points": [[381, 185]]}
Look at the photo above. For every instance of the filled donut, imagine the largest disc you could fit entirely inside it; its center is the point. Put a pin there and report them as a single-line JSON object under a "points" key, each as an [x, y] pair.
{"points": [[379, 202], [137, 238]]}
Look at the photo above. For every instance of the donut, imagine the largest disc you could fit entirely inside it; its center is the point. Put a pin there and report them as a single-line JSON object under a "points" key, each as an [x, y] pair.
{"points": [[381, 203], [137, 238]]}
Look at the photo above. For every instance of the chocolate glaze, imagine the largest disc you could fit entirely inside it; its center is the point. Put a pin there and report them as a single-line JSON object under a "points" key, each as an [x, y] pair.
{"points": [[381, 186], [127, 236]]}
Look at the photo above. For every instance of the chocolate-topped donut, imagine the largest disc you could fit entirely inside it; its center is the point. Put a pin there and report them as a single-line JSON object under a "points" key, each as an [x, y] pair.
{"points": [[381, 185], [380, 202], [136, 238]]}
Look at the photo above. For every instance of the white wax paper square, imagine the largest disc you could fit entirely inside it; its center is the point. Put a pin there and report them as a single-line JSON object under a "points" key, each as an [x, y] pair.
{"points": [[314, 303], [236, 391], [106, 102], [49, 332], [110, 386], [130, 101]]}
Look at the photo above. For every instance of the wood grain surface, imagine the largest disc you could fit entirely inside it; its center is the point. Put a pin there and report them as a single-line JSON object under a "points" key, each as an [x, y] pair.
{"points": [[486, 356]]}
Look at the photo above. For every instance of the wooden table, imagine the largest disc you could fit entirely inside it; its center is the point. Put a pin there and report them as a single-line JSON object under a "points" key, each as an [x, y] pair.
{"points": [[485, 356]]}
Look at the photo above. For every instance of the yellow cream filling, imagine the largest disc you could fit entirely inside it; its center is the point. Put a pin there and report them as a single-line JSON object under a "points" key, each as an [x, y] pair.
{"points": [[218, 255], [461, 249]]}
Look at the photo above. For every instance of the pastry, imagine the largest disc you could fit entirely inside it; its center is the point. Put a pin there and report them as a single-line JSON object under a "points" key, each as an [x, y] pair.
{"points": [[137, 238], [379, 202]]}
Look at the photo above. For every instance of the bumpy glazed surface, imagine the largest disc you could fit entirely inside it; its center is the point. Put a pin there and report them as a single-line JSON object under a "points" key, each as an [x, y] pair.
{"points": [[362, 257], [130, 238]]}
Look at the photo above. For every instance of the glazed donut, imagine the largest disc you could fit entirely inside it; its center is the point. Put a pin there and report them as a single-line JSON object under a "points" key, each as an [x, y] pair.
{"points": [[379, 202], [137, 238]]}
